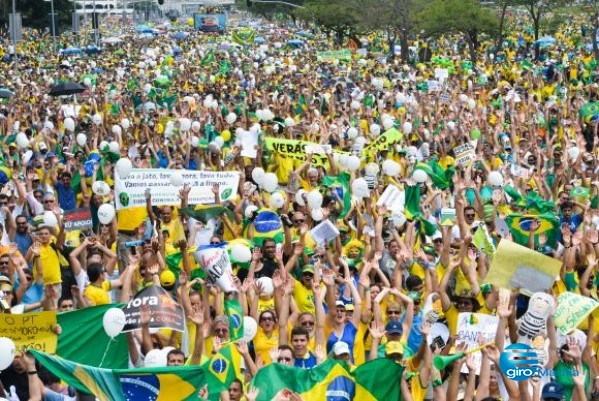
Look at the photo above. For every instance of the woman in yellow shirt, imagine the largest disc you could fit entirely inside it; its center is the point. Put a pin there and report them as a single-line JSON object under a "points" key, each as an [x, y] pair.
{"points": [[267, 337]]}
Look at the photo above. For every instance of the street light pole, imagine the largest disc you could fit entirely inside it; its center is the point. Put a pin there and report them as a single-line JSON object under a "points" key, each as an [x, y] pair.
{"points": [[52, 24], [14, 28]]}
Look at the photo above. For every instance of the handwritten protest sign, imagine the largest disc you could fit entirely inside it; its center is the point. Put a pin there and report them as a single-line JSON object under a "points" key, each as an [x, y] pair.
{"points": [[78, 219], [464, 154], [332, 55], [30, 330], [130, 191], [516, 266], [572, 309], [393, 198], [471, 326]]}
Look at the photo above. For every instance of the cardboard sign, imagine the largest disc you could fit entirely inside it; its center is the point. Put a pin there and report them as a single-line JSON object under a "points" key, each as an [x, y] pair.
{"points": [[166, 312], [572, 309], [30, 331], [464, 154], [448, 217], [470, 327], [78, 219], [393, 198]]}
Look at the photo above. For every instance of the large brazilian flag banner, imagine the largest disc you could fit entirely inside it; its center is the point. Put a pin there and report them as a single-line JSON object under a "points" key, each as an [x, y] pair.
{"points": [[332, 381]]}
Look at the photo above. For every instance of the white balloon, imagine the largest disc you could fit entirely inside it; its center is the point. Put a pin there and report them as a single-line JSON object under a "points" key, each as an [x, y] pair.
{"points": [[231, 118], [106, 213], [463, 97], [97, 119], [495, 179], [289, 122], [258, 175], [360, 141], [250, 328], [371, 169], [388, 123], [81, 139], [471, 104], [113, 321], [195, 141], [277, 200], [407, 128], [117, 130], [241, 253], [50, 219], [359, 188], [352, 133], [267, 285], [155, 359], [353, 163], [22, 140], [7, 352], [314, 199], [400, 98], [101, 188], [195, 126], [270, 182], [317, 214], [355, 105], [420, 176], [391, 168], [123, 167], [219, 141], [299, 197], [69, 124], [184, 124], [573, 152], [375, 129], [250, 210], [114, 147], [103, 145], [125, 123], [177, 179]]}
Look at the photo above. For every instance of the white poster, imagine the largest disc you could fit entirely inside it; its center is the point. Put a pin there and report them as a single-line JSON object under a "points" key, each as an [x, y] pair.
{"points": [[470, 327], [130, 191], [249, 141], [464, 154], [393, 198]]}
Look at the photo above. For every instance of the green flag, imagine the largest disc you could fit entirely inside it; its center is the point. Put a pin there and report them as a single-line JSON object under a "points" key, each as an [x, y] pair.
{"points": [[204, 213], [535, 204], [235, 313], [340, 185], [208, 59], [482, 240], [74, 342], [244, 36], [441, 178], [520, 226], [376, 380], [168, 383]]}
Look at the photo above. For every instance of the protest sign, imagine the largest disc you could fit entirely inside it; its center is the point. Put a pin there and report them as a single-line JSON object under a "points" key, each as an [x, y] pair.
{"points": [[324, 232], [215, 261], [328, 56], [464, 154], [393, 198], [249, 141], [30, 330], [78, 219], [382, 142], [291, 148], [165, 311], [572, 309], [470, 327], [131, 190], [448, 217], [516, 266]]}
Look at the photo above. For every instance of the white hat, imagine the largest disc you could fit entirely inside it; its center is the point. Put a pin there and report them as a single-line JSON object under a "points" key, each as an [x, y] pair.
{"points": [[340, 348]]}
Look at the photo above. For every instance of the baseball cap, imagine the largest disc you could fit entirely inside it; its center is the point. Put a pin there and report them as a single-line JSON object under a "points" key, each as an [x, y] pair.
{"points": [[349, 307], [308, 269], [340, 348], [339, 303], [4, 279], [552, 390], [393, 347], [167, 278], [394, 327]]}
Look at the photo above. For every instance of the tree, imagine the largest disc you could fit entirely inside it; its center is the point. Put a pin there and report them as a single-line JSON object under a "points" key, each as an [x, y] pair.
{"points": [[537, 9], [592, 11], [36, 13], [396, 17], [466, 17], [336, 16]]}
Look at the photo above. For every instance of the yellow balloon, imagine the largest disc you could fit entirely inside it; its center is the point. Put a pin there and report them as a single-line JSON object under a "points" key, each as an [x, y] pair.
{"points": [[226, 135], [190, 22], [160, 128]]}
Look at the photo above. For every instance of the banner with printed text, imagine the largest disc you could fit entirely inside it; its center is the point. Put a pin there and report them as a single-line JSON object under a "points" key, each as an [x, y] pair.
{"points": [[383, 141], [130, 191], [165, 311], [296, 149], [572, 309], [332, 55], [78, 219], [464, 154], [30, 330]]}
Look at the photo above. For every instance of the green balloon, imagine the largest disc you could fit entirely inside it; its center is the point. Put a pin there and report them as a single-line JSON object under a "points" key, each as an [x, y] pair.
{"points": [[475, 134]]}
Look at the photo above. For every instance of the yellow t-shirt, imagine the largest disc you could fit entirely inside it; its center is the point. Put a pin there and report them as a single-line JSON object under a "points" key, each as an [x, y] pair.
{"points": [[266, 304], [50, 263], [263, 344], [98, 295], [176, 232], [130, 219], [304, 298], [284, 167], [451, 315]]}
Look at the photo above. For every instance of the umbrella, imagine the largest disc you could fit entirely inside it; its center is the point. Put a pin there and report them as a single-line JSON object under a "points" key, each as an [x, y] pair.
{"points": [[305, 34], [260, 40], [144, 29], [67, 88], [6, 93], [296, 42], [92, 49], [112, 40], [179, 35], [545, 41], [71, 50]]}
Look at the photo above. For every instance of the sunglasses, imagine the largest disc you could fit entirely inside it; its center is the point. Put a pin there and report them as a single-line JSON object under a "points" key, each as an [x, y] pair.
{"points": [[470, 215], [67, 306], [299, 221], [308, 323], [3, 204], [3, 263], [221, 330], [308, 275], [267, 319], [214, 242], [49, 201], [283, 359], [393, 312]]}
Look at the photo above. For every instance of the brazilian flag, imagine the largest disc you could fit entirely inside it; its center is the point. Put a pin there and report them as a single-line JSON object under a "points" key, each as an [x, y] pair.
{"points": [[340, 184], [520, 226], [376, 380], [412, 209], [234, 312], [244, 36], [267, 224], [208, 59], [589, 112], [204, 213], [164, 383]]}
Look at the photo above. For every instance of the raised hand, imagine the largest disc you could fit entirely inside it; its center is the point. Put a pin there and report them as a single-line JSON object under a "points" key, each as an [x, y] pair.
{"points": [[252, 394], [377, 330]]}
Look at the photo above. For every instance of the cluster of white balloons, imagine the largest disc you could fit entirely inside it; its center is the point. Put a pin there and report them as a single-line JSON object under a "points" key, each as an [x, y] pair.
{"points": [[7, 352]]}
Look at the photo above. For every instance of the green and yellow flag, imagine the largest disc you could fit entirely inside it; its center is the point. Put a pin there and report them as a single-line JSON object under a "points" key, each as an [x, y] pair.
{"points": [[204, 213], [234, 312], [520, 226], [156, 384], [208, 59], [340, 184], [374, 381], [244, 36], [442, 178]]}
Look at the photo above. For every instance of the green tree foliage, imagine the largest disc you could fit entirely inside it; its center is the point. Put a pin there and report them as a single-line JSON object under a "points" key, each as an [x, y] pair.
{"points": [[337, 16], [36, 13], [465, 17], [537, 10]]}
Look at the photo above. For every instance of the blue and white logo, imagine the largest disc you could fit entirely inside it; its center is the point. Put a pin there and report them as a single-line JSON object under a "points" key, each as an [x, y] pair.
{"points": [[519, 362]]}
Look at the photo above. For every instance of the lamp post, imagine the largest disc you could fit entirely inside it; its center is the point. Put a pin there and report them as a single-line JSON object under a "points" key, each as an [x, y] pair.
{"points": [[52, 25], [14, 28]]}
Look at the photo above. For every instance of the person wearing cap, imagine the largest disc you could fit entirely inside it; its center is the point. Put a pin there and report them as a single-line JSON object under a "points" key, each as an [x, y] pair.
{"points": [[552, 391], [97, 290], [342, 352]]}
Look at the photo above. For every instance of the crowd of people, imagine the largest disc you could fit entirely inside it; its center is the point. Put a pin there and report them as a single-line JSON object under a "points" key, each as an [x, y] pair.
{"points": [[524, 124]]}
